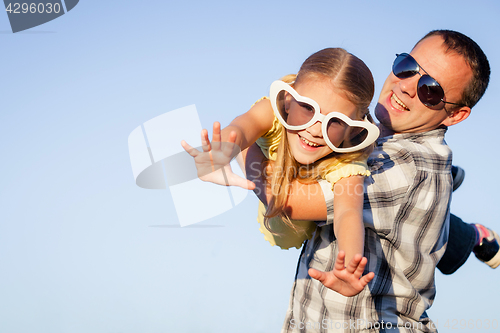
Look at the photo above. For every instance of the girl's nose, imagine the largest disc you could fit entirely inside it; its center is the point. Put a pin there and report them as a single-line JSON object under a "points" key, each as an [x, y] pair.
{"points": [[315, 129]]}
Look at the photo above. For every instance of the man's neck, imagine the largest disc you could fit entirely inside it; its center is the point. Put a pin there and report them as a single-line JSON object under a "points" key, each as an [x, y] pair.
{"points": [[384, 131]]}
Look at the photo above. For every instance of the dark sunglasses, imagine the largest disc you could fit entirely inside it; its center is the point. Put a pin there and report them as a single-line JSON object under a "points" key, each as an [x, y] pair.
{"points": [[429, 91]]}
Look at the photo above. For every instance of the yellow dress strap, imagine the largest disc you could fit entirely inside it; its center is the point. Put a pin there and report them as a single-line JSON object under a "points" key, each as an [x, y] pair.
{"points": [[270, 141], [346, 170]]}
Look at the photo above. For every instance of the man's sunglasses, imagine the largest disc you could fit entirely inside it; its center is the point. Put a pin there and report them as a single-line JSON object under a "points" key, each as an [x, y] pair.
{"points": [[429, 91]]}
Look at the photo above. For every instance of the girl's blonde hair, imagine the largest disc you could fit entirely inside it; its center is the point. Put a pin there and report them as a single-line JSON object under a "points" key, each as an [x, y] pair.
{"points": [[352, 78]]}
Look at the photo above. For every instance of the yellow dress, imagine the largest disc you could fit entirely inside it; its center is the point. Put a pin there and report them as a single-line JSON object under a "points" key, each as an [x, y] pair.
{"points": [[285, 236]]}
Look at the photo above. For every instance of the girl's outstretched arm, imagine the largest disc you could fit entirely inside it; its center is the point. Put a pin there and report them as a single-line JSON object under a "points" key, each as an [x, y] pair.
{"points": [[212, 163], [251, 125], [348, 215], [307, 202]]}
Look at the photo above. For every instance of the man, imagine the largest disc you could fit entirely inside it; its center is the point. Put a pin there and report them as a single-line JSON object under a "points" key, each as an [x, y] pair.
{"points": [[406, 211]]}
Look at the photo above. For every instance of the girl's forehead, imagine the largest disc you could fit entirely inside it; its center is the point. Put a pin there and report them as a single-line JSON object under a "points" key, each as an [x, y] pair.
{"points": [[329, 97]]}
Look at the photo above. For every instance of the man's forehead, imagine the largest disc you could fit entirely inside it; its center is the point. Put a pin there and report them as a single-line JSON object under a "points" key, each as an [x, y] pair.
{"points": [[431, 46], [432, 54], [446, 66]]}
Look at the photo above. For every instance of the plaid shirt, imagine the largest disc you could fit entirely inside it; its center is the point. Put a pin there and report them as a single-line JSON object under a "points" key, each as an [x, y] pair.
{"points": [[406, 217]]}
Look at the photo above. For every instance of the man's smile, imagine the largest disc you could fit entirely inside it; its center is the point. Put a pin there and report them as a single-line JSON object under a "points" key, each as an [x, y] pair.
{"points": [[397, 103]]}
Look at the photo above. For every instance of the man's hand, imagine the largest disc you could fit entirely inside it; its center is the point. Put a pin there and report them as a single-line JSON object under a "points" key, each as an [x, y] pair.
{"points": [[213, 163], [346, 281]]}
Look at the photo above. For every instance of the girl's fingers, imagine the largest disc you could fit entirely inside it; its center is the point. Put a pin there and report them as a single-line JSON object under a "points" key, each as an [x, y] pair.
{"points": [[230, 149], [361, 268], [340, 262], [318, 275], [250, 185], [190, 150], [205, 143], [232, 137], [216, 136], [216, 132], [241, 182], [367, 278], [353, 264]]}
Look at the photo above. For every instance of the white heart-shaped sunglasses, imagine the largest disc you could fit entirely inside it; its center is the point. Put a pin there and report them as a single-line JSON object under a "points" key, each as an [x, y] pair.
{"points": [[363, 132]]}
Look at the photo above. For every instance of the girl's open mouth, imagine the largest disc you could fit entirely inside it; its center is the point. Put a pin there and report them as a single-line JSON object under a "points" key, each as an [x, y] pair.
{"points": [[308, 145]]}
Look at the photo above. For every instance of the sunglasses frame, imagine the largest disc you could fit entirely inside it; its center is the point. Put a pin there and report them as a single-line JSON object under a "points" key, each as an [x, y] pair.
{"points": [[372, 129], [417, 71]]}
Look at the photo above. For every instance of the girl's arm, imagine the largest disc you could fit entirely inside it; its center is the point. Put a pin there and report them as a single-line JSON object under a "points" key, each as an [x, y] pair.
{"points": [[251, 125], [308, 202], [212, 163], [348, 215]]}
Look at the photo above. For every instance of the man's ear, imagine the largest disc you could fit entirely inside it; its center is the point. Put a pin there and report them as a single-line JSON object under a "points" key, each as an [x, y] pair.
{"points": [[457, 116]]}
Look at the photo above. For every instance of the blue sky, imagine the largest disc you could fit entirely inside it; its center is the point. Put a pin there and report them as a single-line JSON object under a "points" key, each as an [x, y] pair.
{"points": [[82, 248]]}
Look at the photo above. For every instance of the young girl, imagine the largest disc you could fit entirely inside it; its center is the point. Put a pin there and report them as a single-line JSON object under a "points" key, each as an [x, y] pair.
{"points": [[320, 129]]}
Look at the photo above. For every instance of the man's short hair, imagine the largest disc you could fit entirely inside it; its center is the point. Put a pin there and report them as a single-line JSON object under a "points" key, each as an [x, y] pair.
{"points": [[474, 57]]}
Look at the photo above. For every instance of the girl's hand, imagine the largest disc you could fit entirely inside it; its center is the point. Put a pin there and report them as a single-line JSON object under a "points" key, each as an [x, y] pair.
{"points": [[346, 281], [213, 163]]}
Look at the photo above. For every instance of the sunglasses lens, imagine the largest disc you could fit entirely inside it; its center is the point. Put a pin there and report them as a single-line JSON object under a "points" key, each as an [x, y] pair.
{"points": [[294, 113], [338, 130], [430, 92], [280, 103], [357, 136], [404, 66]]}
